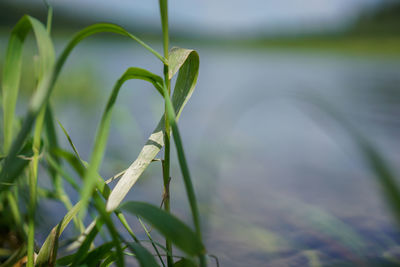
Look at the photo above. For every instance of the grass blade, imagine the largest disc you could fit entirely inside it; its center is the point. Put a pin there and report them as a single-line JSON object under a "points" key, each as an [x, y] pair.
{"points": [[152, 241], [101, 28], [187, 78], [45, 88], [12, 68], [48, 252], [168, 225], [90, 180], [144, 257], [11, 77], [188, 62], [182, 92]]}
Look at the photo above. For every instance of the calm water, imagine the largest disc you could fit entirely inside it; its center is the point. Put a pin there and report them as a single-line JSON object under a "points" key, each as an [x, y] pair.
{"points": [[280, 183]]}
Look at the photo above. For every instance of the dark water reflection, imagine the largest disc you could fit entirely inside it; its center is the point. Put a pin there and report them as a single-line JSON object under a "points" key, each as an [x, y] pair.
{"points": [[279, 183]]}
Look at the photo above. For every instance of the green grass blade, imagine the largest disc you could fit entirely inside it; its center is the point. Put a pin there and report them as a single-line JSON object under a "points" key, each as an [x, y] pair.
{"points": [[90, 180], [185, 172], [52, 143], [33, 178], [187, 61], [182, 93], [164, 24], [144, 257], [54, 166], [70, 141], [12, 68], [45, 88], [12, 73], [166, 163], [110, 259], [72, 160], [168, 225], [186, 81], [79, 167], [105, 216], [95, 256], [48, 251], [85, 246], [151, 241], [103, 219], [101, 28]]}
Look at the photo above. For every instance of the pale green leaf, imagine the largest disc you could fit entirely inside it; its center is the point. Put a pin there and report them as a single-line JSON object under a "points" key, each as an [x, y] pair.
{"points": [[184, 88], [90, 180]]}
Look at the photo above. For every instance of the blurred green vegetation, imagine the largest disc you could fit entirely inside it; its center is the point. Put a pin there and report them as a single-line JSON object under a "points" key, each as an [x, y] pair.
{"points": [[69, 88], [381, 21]]}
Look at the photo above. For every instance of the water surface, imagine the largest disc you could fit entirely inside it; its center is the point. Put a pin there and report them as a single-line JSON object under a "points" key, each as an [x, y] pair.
{"points": [[280, 183]]}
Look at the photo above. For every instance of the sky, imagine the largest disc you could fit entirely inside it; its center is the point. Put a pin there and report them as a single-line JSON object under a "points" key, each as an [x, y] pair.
{"points": [[223, 16]]}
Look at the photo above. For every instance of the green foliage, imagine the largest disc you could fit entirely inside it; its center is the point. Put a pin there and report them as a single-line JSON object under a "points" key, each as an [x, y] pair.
{"points": [[37, 142], [171, 227]]}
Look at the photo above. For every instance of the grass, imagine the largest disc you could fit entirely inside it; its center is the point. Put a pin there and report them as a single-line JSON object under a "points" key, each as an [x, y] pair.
{"points": [[35, 142]]}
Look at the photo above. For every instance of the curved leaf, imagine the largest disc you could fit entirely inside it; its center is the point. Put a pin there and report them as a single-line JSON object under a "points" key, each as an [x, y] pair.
{"points": [[188, 61], [10, 86], [12, 67], [90, 180], [45, 88], [168, 225], [48, 252], [101, 28]]}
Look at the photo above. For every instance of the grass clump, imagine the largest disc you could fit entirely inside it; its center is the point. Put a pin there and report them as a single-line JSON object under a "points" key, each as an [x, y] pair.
{"points": [[35, 142]]}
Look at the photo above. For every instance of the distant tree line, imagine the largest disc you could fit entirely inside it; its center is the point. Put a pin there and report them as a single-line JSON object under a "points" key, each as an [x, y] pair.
{"points": [[382, 20]]}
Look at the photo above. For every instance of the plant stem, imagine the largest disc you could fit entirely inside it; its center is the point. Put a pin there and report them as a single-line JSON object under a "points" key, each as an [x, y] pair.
{"points": [[33, 177], [167, 135], [185, 172]]}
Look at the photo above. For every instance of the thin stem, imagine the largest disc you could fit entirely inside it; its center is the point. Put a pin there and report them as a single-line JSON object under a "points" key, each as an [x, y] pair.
{"points": [[164, 24], [151, 240], [167, 135], [185, 171], [49, 19], [33, 177]]}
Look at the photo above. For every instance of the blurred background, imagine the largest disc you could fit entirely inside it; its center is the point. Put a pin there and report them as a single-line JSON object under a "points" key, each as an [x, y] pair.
{"points": [[280, 183]]}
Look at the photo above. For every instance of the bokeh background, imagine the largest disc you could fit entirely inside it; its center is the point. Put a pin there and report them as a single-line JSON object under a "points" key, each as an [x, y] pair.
{"points": [[280, 182]]}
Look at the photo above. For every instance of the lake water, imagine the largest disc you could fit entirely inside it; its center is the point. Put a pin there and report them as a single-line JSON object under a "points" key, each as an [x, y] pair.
{"points": [[279, 182]]}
